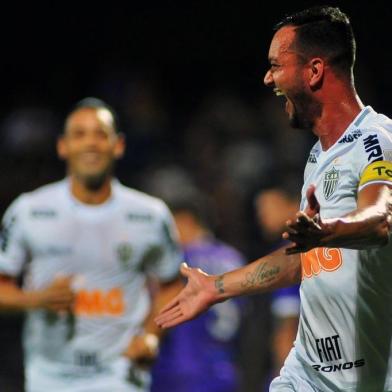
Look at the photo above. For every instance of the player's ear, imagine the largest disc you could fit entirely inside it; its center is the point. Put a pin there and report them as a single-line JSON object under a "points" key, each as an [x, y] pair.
{"points": [[119, 149], [61, 148], [316, 72]]}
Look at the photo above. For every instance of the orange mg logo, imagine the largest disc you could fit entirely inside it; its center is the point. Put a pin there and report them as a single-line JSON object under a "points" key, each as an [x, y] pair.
{"points": [[100, 303], [320, 259]]}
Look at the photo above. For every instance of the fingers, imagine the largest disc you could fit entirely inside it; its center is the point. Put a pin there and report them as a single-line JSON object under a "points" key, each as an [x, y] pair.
{"points": [[174, 311], [171, 304], [62, 281], [304, 232], [173, 321], [185, 270], [295, 249], [302, 228], [58, 296], [166, 319], [313, 205]]}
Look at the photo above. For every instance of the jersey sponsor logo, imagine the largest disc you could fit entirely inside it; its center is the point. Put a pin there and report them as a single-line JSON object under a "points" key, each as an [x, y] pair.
{"points": [[139, 217], [331, 179], [320, 259], [350, 137], [339, 366], [377, 171], [43, 213], [100, 303], [373, 148], [312, 158], [329, 350]]}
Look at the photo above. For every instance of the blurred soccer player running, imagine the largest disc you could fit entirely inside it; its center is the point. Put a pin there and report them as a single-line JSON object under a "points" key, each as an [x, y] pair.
{"points": [[341, 249], [87, 245]]}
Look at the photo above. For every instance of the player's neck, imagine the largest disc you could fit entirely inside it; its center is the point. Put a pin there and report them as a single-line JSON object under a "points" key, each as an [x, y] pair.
{"points": [[337, 114], [90, 196]]}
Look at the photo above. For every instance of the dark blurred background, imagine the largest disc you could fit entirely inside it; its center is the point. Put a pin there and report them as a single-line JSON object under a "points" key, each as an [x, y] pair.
{"points": [[186, 78]]}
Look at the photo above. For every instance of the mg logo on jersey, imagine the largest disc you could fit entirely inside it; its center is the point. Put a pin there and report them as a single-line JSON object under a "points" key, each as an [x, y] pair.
{"points": [[100, 302], [331, 179], [320, 259]]}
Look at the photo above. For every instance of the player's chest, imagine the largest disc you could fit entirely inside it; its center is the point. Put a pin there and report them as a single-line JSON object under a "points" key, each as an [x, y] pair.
{"points": [[111, 241], [336, 180]]}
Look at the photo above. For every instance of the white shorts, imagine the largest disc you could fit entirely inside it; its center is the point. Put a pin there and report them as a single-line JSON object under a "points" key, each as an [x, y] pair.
{"points": [[42, 376], [292, 378]]}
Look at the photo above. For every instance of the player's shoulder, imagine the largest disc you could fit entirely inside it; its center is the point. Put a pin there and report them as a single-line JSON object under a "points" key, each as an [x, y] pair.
{"points": [[140, 201], [44, 195], [47, 191], [368, 138], [374, 124]]}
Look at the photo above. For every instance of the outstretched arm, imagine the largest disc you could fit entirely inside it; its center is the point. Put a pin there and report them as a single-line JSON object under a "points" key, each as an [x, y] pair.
{"points": [[366, 227], [202, 290], [57, 297]]}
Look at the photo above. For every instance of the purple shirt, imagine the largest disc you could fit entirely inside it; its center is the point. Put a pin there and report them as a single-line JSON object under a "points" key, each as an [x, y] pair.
{"points": [[199, 356]]}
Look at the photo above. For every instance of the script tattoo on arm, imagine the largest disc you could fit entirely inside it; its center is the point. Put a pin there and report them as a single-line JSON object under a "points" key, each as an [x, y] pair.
{"points": [[262, 274], [219, 284]]}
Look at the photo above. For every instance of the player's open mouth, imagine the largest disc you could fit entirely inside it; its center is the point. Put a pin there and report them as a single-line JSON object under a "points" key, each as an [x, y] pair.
{"points": [[90, 157]]}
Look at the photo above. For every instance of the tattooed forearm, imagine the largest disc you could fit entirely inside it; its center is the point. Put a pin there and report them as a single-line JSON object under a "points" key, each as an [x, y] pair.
{"points": [[262, 274], [219, 284]]}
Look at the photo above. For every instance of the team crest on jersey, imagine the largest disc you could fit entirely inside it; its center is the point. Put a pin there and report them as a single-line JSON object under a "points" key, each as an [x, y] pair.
{"points": [[124, 252], [331, 179], [312, 158]]}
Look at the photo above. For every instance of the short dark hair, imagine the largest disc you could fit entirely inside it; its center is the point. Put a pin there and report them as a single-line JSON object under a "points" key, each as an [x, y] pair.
{"points": [[95, 103], [324, 31], [199, 205]]}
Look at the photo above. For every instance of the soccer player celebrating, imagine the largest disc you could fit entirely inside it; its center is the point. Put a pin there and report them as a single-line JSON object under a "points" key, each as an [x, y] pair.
{"points": [[341, 250], [87, 245]]}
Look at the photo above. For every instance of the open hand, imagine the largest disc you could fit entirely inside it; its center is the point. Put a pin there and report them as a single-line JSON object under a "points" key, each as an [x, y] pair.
{"points": [[306, 230], [198, 295]]}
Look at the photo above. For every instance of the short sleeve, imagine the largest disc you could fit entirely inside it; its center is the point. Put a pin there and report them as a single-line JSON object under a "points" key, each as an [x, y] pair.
{"points": [[168, 256], [13, 252], [376, 158]]}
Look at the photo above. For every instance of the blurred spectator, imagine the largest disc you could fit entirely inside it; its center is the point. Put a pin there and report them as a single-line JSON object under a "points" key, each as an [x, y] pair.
{"points": [[200, 356], [274, 206]]}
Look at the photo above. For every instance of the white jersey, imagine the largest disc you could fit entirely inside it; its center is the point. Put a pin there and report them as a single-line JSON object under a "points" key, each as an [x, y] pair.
{"points": [[109, 249], [344, 336]]}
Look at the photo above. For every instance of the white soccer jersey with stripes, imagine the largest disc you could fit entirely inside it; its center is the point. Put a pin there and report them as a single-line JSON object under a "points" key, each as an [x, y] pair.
{"points": [[344, 335], [109, 250]]}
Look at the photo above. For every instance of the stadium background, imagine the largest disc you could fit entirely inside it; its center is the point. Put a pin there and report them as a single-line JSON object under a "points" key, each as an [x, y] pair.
{"points": [[186, 80]]}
